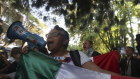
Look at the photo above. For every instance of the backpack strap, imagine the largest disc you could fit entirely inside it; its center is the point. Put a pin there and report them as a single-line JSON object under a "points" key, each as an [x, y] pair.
{"points": [[95, 53], [75, 56]]}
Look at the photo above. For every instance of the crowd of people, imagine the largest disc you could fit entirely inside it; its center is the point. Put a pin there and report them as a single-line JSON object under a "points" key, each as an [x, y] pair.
{"points": [[130, 65], [57, 43], [8, 68]]}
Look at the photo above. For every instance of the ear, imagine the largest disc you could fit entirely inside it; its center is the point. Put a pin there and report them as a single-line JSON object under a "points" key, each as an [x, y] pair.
{"points": [[91, 46], [65, 42]]}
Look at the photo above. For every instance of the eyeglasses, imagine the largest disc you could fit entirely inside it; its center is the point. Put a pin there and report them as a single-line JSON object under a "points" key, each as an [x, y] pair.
{"points": [[54, 34]]}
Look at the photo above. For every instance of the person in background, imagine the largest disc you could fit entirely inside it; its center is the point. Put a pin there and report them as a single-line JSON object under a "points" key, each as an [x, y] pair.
{"points": [[11, 68], [3, 76], [3, 59], [138, 43], [1, 29], [130, 65], [88, 49]]}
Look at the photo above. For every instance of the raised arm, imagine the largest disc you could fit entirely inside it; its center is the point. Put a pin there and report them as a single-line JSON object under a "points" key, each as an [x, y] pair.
{"points": [[92, 66]]}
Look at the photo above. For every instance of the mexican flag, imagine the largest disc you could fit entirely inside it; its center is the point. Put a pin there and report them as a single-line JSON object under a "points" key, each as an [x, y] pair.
{"points": [[108, 61], [35, 65]]}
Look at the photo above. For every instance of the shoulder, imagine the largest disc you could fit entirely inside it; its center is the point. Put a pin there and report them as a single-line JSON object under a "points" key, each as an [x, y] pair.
{"points": [[84, 58], [82, 53], [136, 59], [123, 59], [96, 52], [78, 52]]}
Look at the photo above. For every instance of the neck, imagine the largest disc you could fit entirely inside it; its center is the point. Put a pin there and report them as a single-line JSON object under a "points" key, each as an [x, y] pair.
{"points": [[128, 57], [16, 59], [58, 53], [89, 49]]}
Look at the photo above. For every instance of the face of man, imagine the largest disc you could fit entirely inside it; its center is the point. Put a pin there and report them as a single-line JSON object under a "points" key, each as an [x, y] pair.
{"points": [[55, 40], [16, 56], [86, 45], [129, 51], [138, 41]]}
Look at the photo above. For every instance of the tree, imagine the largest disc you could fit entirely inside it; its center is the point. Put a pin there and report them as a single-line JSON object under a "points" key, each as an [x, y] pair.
{"points": [[103, 21]]}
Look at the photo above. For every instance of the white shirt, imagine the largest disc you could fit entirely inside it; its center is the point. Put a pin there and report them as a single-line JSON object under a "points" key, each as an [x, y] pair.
{"points": [[89, 52], [84, 58]]}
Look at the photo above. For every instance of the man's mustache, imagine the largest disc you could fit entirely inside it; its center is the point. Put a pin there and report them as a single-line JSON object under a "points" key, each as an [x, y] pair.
{"points": [[50, 42]]}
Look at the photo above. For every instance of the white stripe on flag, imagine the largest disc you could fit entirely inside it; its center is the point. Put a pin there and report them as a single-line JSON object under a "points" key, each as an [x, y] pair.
{"points": [[73, 72]]}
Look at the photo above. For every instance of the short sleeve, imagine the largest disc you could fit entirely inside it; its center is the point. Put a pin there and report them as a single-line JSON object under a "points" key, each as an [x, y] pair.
{"points": [[84, 58]]}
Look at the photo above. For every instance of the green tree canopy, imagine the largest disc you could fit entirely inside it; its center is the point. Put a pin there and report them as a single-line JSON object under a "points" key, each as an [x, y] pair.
{"points": [[102, 21]]}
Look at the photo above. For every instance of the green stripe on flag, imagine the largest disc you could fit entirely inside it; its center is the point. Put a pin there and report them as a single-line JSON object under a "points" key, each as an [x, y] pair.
{"points": [[35, 65]]}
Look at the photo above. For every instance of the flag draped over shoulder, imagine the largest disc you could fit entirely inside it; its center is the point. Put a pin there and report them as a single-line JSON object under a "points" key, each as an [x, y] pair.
{"points": [[35, 65], [108, 61]]}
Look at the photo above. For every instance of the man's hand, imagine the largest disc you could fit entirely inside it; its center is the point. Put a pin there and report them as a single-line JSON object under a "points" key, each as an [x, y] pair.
{"points": [[3, 76], [25, 49]]}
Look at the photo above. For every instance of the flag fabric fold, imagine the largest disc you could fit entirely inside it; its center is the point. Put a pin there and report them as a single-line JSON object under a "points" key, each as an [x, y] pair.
{"points": [[108, 61], [35, 65]]}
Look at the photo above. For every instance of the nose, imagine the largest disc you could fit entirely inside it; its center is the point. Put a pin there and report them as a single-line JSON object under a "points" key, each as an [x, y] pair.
{"points": [[49, 40]]}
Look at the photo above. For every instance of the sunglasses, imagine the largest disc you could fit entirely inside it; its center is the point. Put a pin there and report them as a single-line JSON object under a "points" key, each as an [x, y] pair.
{"points": [[54, 34]]}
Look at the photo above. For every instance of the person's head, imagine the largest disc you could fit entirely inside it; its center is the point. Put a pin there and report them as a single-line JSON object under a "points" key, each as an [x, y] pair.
{"points": [[16, 52], [57, 39], [1, 29], [4, 54], [129, 51], [1, 22], [138, 39], [87, 44]]}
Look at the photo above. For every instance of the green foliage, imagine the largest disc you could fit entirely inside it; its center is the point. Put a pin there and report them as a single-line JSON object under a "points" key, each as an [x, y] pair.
{"points": [[102, 21]]}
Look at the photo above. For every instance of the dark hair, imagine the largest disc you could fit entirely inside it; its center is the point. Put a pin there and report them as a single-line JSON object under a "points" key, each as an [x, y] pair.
{"points": [[1, 21], [138, 37], [16, 50], [64, 33], [4, 53], [131, 48], [90, 42]]}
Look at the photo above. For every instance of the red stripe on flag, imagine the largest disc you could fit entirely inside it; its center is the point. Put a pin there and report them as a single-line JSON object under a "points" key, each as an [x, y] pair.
{"points": [[108, 61], [123, 77]]}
